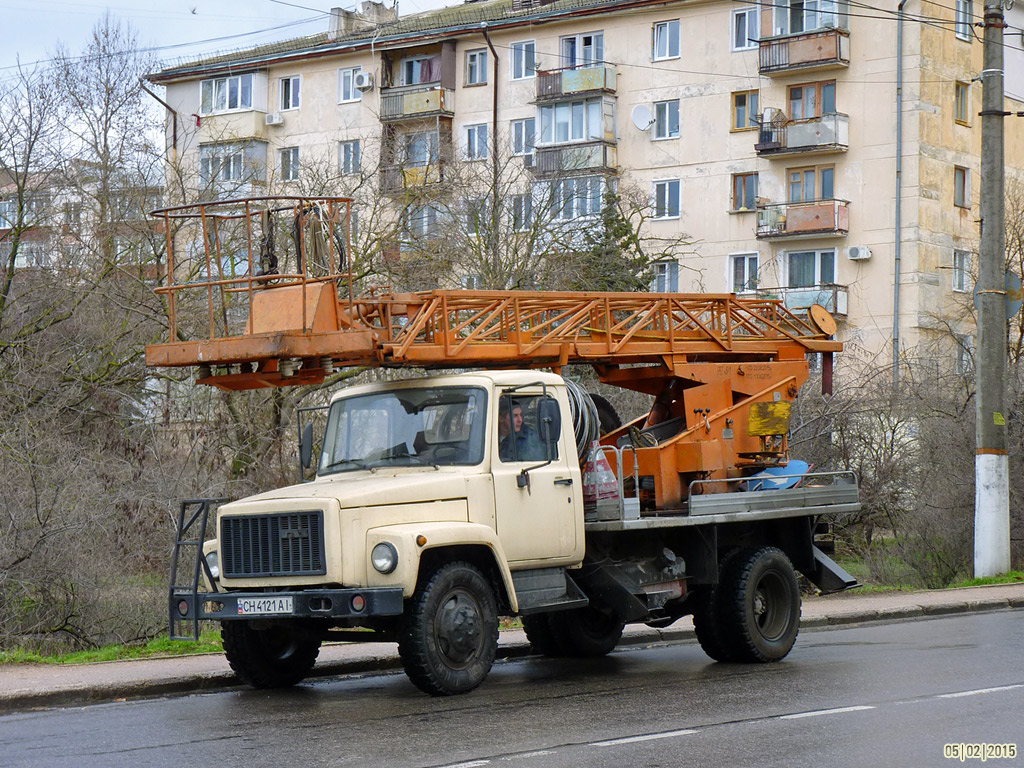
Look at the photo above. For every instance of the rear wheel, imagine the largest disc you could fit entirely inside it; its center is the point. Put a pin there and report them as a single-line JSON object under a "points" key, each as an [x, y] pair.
{"points": [[450, 634], [760, 606], [707, 616], [275, 657], [541, 636], [586, 632]]}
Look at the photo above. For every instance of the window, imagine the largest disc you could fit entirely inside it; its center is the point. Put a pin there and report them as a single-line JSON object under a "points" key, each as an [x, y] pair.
{"points": [[812, 100], [524, 60], [811, 268], [220, 164], [792, 17], [420, 69], [744, 29], [476, 142], [744, 110], [522, 212], [666, 40], [666, 199], [666, 277], [289, 164], [523, 137], [961, 187], [346, 85], [666, 119], [573, 198], [571, 121], [582, 50], [815, 183], [744, 191], [290, 90], [477, 214], [422, 221], [964, 362], [962, 271], [519, 430], [964, 19], [744, 272], [348, 157], [72, 215], [961, 103], [226, 94], [419, 148], [476, 67]]}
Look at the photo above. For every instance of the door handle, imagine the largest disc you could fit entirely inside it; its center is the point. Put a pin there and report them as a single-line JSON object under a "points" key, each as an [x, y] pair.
{"points": [[563, 481]]}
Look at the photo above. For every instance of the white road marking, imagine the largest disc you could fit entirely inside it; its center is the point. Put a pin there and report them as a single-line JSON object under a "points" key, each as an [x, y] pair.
{"points": [[647, 737], [470, 764], [979, 691], [837, 711], [538, 753]]}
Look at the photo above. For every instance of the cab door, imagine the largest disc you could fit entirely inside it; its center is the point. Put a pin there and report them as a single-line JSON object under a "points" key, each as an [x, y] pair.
{"points": [[536, 515]]}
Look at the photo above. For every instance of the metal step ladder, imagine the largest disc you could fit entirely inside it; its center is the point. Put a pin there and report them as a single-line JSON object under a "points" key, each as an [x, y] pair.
{"points": [[187, 563]]}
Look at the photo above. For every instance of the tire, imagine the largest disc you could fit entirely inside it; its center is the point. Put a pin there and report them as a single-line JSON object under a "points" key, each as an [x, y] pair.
{"points": [[449, 635], [276, 657], [541, 635], [707, 616], [760, 605], [586, 632], [606, 414]]}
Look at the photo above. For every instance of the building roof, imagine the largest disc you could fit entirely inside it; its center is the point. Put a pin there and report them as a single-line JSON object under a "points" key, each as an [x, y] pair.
{"points": [[465, 17]]}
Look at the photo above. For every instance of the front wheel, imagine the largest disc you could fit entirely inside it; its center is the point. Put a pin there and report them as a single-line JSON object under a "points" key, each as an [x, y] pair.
{"points": [[760, 605], [276, 657], [449, 637]]}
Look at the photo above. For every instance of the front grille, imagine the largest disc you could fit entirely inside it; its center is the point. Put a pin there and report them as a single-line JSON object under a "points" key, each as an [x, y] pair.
{"points": [[291, 544]]}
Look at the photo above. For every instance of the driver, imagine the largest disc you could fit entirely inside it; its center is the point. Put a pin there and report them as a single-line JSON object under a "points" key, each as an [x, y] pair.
{"points": [[517, 440]]}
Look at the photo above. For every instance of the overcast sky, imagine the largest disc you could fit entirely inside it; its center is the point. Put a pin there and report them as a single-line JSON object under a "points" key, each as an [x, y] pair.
{"points": [[33, 27]]}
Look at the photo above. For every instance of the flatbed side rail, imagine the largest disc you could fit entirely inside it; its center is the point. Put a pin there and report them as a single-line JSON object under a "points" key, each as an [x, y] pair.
{"points": [[187, 564]]}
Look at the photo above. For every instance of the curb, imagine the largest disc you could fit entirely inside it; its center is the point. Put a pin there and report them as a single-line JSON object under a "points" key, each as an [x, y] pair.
{"points": [[79, 696]]}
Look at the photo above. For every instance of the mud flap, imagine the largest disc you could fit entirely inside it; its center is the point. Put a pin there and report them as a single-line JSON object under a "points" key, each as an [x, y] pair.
{"points": [[829, 576]]}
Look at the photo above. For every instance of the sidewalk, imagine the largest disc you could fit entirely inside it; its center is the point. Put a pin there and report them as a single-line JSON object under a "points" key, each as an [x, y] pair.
{"points": [[26, 686]]}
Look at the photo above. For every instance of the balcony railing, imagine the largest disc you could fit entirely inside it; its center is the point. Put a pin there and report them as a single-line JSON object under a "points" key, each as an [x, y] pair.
{"points": [[813, 135], [555, 84], [395, 178], [413, 101], [593, 156], [832, 297], [821, 49], [820, 218]]}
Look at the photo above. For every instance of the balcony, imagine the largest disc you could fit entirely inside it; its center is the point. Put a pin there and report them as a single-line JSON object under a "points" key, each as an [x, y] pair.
{"points": [[816, 218], [556, 84], [832, 297], [822, 49], [590, 157], [395, 178], [812, 136], [410, 102], [233, 126]]}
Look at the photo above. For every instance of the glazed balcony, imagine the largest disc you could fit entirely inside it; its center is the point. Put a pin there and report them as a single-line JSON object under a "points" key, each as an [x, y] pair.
{"points": [[588, 157], [834, 298], [589, 80], [815, 218], [412, 102], [823, 135], [807, 51]]}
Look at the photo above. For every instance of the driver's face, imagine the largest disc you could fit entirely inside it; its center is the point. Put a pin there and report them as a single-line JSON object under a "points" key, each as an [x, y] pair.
{"points": [[517, 418]]}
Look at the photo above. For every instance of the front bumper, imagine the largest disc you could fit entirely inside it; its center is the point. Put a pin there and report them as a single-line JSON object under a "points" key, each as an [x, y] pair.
{"points": [[306, 604]]}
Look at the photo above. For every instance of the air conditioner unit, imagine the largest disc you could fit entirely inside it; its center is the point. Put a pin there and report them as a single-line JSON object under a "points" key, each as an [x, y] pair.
{"points": [[529, 160], [363, 81], [274, 118], [858, 253]]}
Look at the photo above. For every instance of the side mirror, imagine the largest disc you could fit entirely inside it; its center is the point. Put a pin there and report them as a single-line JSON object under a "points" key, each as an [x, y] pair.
{"points": [[306, 446], [549, 419]]}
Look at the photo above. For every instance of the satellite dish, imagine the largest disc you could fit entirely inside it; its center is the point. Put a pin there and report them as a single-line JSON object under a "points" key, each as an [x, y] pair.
{"points": [[641, 117]]}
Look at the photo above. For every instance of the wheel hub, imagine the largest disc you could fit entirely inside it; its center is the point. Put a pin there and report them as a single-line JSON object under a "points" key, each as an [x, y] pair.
{"points": [[459, 628]]}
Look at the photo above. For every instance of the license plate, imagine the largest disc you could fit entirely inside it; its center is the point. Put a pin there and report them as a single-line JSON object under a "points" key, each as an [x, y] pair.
{"points": [[250, 606]]}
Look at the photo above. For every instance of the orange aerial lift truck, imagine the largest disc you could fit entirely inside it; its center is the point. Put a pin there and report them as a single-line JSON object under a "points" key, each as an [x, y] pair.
{"points": [[443, 502]]}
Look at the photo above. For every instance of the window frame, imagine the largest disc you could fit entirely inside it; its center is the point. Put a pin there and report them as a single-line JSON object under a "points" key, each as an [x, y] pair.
{"points": [[521, 212], [476, 134], [963, 364], [663, 127], [819, 261], [668, 25], [235, 156], [433, 144], [741, 181], [820, 88], [475, 69], [962, 282], [963, 13], [818, 173], [961, 103], [349, 149], [747, 14], [666, 275], [227, 80], [751, 98], [288, 159], [579, 61], [579, 206], [351, 72], [667, 185], [293, 90], [750, 281], [588, 132], [524, 54], [962, 187], [523, 136]]}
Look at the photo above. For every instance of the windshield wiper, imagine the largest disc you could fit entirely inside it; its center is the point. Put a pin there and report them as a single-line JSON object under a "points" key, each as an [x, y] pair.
{"points": [[357, 463]]}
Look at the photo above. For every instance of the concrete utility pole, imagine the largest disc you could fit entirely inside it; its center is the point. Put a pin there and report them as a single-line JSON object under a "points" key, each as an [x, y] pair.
{"points": [[991, 464]]}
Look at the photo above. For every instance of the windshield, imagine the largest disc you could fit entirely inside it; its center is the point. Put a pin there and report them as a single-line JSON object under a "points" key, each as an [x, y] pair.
{"points": [[431, 426]]}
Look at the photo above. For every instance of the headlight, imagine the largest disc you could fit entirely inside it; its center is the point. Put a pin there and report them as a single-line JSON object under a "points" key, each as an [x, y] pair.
{"points": [[213, 563], [384, 557]]}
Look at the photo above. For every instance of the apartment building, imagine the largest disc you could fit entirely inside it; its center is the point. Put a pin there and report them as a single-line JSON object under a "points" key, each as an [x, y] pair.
{"points": [[821, 151]]}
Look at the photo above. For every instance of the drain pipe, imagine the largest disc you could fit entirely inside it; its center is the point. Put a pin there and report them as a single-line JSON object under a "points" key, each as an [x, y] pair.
{"points": [[899, 198], [174, 120], [494, 153]]}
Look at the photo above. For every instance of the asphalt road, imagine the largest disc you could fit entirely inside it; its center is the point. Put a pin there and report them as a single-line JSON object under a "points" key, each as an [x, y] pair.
{"points": [[877, 695]]}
